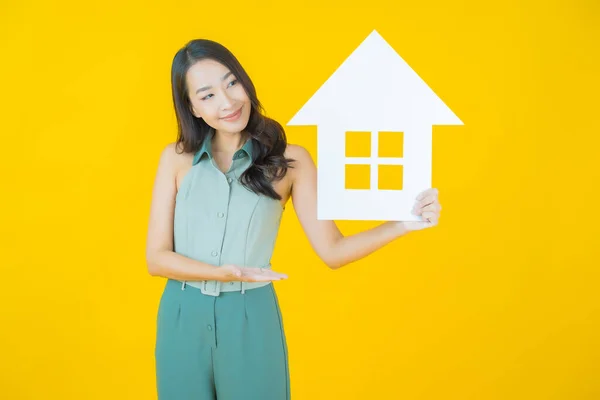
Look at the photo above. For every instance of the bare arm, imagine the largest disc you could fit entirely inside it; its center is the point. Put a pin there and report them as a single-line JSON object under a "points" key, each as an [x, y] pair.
{"points": [[160, 257], [335, 249]]}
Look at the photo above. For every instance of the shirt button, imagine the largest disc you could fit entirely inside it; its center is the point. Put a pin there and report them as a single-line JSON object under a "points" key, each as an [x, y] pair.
{"points": [[229, 180], [220, 215], [209, 327], [214, 253]]}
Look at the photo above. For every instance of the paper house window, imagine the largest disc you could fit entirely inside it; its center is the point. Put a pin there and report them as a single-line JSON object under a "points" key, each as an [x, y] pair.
{"points": [[374, 160]]}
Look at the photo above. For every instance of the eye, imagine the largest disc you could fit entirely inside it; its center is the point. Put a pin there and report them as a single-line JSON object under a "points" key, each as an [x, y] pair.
{"points": [[232, 82], [206, 97]]}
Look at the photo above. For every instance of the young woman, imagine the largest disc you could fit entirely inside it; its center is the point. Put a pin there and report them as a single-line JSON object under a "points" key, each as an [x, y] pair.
{"points": [[218, 197]]}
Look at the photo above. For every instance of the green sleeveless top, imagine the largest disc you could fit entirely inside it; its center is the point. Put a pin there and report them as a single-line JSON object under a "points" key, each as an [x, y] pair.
{"points": [[218, 221]]}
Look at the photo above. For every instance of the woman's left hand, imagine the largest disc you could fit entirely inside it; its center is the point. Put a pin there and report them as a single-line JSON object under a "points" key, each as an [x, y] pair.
{"points": [[428, 207]]}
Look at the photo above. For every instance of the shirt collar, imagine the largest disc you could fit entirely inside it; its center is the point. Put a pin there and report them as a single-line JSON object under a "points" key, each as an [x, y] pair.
{"points": [[206, 148]]}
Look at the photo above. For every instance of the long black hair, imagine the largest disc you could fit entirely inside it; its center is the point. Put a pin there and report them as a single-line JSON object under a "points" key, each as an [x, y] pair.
{"points": [[269, 163]]}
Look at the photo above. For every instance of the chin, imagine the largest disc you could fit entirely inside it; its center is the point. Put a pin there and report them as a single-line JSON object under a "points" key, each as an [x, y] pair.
{"points": [[238, 126], [241, 123]]}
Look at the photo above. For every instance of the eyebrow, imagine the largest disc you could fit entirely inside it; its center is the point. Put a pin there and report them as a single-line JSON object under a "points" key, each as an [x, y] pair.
{"points": [[208, 87]]}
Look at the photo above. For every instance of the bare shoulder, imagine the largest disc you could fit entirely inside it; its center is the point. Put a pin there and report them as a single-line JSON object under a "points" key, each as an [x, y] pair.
{"points": [[173, 156], [175, 162], [300, 154], [303, 171]]}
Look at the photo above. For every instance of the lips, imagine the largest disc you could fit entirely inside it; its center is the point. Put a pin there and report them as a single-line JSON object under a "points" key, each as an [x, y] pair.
{"points": [[233, 115]]}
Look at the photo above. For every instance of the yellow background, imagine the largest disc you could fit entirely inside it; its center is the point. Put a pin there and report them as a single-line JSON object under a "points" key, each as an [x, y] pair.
{"points": [[500, 301]]}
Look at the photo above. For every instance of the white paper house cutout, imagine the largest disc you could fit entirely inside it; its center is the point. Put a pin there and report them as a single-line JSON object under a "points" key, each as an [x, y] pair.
{"points": [[373, 90]]}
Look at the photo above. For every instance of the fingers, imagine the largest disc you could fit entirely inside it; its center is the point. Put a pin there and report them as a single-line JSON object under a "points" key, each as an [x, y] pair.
{"points": [[428, 206], [251, 274], [432, 207], [430, 217], [264, 272], [427, 201], [433, 192], [427, 197]]}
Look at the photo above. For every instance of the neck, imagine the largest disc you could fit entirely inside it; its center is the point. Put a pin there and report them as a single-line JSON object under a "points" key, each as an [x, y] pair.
{"points": [[226, 142]]}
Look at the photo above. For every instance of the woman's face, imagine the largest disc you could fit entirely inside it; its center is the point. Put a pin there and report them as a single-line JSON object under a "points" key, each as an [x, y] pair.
{"points": [[217, 96]]}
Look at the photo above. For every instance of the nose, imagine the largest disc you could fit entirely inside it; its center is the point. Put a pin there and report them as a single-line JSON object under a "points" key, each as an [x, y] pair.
{"points": [[227, 103]]}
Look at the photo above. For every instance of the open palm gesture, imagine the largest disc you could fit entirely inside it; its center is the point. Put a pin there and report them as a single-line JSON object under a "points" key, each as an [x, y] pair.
{"points": [[250, 274]]}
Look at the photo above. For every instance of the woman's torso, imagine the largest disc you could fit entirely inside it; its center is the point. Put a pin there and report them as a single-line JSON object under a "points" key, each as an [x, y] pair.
{"points": [[219, 221]]}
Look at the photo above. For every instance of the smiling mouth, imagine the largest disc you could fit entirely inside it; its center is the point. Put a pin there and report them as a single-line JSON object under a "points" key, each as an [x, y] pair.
{"points": [[233, 115]]}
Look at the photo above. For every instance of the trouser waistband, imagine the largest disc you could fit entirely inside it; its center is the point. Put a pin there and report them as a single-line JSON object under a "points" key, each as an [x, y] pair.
{"points": [[214, 288]]}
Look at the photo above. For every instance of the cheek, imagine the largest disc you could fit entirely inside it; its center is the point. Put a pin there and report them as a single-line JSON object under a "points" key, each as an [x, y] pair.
{"points": [[206, 111], [240, 94], [197, 105]]}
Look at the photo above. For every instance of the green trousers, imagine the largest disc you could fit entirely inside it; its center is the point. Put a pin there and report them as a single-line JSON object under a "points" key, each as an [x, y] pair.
{"points": [[226, 347]]}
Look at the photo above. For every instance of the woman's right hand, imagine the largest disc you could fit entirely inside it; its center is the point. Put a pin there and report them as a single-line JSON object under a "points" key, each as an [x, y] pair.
{"points": [[249, 274]]}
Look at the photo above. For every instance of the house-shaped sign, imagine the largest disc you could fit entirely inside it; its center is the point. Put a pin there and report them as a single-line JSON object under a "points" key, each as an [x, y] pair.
{"points": [[375, 91]]}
